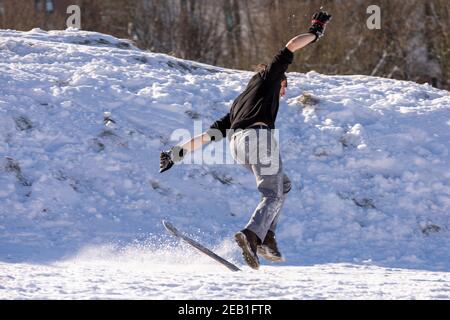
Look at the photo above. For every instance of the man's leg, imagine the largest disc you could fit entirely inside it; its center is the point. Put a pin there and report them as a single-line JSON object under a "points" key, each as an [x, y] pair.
{"points": [[269, 247], [270, 183], [246, 239], [271, 189], [258, 151], [286, 189], [269, 177]]}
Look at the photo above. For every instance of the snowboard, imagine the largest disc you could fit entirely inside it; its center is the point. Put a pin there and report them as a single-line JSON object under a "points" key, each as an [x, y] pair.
{"points": [[174, 231]]}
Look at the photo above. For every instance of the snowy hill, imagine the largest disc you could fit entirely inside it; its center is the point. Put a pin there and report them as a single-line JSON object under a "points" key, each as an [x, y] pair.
{"points": [[368, 157]]}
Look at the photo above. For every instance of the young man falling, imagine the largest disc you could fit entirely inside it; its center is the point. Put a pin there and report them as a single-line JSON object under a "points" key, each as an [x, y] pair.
{"points": [[252, 120]]}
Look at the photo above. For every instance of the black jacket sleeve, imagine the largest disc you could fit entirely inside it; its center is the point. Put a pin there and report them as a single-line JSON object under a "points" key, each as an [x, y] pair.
{"points": [[279, 65], [218, 129]]}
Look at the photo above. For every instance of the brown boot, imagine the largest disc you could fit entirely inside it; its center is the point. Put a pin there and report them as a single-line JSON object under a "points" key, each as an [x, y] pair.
{"points": [[248, 241], [269, 249]]}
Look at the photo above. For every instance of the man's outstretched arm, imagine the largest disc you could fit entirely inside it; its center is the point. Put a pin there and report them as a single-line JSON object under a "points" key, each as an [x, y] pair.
{"points": [[177, 153], [196, 142], [216, 132], [316, 30], [279, 65], [300, 41]]}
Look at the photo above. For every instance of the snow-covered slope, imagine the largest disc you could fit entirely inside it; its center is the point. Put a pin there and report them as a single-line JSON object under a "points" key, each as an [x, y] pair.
{"points": [[131, 279], [368, 158]]}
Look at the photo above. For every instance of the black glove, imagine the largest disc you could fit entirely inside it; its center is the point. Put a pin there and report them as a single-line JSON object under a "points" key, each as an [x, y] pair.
{"points": [[318, 23], [168, 158]]}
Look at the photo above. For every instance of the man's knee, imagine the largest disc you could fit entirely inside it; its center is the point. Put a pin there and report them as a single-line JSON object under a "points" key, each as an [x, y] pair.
{"points": [[273, 186], [273, 193], [286, 184]]}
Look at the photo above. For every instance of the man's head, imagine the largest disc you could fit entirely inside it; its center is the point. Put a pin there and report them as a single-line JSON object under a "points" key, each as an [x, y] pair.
{"points": [[284, 84]]}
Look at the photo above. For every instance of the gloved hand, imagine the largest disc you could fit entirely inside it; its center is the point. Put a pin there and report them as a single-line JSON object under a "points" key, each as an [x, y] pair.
{"points": [[318, 23], [168, 158]]}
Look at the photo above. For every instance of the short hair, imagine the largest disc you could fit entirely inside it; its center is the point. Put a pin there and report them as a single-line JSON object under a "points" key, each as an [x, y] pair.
{"points": [[261, 67]]}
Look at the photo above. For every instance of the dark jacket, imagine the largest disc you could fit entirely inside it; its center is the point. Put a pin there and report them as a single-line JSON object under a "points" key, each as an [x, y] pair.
{"points": [[260, 100]]}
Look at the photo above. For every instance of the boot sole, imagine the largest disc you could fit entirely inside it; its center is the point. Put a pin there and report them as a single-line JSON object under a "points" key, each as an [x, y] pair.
{"points": [[263, 252], [250, 258]]}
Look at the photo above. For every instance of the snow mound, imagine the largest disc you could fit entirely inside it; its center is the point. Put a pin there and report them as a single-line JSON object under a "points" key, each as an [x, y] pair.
{"points": [[83, 117]]}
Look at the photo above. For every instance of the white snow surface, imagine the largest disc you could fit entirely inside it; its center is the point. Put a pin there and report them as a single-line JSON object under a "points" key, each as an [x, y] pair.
{"points": [[81, 202]]}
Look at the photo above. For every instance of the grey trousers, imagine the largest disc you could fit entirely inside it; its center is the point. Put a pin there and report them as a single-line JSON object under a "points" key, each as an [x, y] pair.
{"points": [[257, 150]]}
